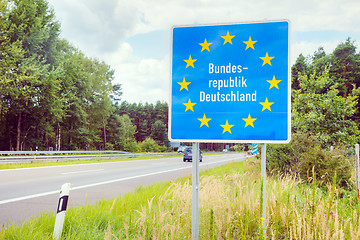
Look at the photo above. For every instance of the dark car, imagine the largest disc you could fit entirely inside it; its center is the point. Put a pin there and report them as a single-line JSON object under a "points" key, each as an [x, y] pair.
{"points": [[188, 155]]}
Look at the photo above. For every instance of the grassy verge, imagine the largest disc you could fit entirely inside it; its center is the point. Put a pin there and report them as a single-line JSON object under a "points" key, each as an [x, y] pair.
{"points": [[229, 209]]}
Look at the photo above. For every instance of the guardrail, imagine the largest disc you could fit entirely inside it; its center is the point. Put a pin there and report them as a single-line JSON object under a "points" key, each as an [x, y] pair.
{"points": [[52, 158], [11, 153]]}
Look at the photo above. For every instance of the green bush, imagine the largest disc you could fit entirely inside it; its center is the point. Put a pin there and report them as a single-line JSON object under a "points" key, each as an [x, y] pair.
{"points": [[325, 165], [286, 158], [132, 146], [163, 148], [149, 145], [109, 146], [237, 148], [304, 153]]}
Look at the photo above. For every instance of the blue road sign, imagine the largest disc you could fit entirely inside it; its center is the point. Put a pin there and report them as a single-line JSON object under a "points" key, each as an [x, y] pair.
{"points": [[230, 83]]}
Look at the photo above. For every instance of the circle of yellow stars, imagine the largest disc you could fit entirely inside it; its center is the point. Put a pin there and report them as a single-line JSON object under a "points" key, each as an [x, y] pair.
{"points": [[249, 121]]}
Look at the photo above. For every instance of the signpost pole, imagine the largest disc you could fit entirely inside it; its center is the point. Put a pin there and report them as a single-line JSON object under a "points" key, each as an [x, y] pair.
{"points": [[357, 169], [195, 191], [263, 177]]}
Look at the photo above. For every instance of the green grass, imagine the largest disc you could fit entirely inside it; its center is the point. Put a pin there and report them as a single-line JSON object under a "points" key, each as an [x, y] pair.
{"points": [[229, 209]]}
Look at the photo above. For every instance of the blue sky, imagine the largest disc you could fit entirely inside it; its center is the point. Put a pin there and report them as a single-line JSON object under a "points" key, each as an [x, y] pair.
{"points": [[134, 37]]}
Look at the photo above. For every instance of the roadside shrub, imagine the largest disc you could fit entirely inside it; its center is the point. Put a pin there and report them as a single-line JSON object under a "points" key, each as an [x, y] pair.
{"points": [[132, 146], [325, 165], [286, 158], [304, 153], [237, 148], [109, 146], [163, 148], [149, 145]]}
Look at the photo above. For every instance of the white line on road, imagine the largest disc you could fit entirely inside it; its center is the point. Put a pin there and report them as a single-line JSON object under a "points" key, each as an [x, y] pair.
{"points": [[106, 182]]}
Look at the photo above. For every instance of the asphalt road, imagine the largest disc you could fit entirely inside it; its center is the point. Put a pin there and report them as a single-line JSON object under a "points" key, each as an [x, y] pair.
{"points": [[25, 193]]}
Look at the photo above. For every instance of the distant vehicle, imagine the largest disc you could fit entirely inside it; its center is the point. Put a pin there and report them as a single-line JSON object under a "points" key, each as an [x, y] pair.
{"points": [[188, 155]]}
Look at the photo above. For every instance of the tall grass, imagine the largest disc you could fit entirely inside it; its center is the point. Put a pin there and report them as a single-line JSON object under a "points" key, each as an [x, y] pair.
{"points": [[230, 205]]}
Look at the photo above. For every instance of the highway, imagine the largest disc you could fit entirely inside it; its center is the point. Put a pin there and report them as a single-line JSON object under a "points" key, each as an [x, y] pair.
{"points": [[27, 192]]}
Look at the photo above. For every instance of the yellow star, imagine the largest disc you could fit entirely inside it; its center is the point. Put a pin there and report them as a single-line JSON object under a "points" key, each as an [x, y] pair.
{"points": [[266, 59], [266, 104], [189, 105], [249, 43], [273, 82], [227, 127], [227, 38], [184, 85], [204, 121], [205, 45], [190, 62], [249, 121]]}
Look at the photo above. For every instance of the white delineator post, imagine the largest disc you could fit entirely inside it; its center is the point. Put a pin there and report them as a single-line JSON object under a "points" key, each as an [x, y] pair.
{"points": [[195, 191], [357, 169], [61, 210]]}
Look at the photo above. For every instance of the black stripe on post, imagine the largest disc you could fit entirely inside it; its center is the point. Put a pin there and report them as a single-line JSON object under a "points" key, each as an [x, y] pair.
{"points": [[62, 205]]}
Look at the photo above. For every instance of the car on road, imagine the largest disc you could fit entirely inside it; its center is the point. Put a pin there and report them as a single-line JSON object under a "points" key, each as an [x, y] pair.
{"points": [[188, 155]]}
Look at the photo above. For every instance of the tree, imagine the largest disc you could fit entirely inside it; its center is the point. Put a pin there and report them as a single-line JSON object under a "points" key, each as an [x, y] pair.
{"points": [[99, 107], [121, 132], [345, 65], [345, 69], [144, 116], [159, 133], [51, 94], [320, 53], [321, 113], [11, 53], [161, 112], [116, 92], [33, 80], [299, 68]]}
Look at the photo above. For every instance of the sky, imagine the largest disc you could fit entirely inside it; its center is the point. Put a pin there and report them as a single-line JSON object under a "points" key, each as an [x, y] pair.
{"points": [[134, 36]]}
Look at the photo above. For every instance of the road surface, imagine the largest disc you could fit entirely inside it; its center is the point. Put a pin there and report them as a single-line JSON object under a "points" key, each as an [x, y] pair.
{"points": [[25, 193]]}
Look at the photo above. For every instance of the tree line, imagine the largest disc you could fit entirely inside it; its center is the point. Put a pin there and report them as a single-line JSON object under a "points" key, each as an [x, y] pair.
{"points": [[325, 95], [53, 96]]}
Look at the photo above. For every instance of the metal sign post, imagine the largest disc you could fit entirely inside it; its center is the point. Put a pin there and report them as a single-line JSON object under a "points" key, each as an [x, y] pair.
{"points": [[195, 191], [357, 169], [263, 177]]}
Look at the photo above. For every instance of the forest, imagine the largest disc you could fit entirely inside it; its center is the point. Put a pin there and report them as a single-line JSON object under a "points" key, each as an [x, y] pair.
{"points": [[52, 96]]}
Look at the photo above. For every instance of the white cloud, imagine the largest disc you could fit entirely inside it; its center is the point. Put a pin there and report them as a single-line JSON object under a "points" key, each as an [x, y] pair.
{"points": [[101, 28], [143, 80], [96, 26], [305, 15]]}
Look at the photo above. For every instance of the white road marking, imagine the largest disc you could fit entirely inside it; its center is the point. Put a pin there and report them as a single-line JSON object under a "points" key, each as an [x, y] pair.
{"points": [[105, 182], [29, 197]]}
